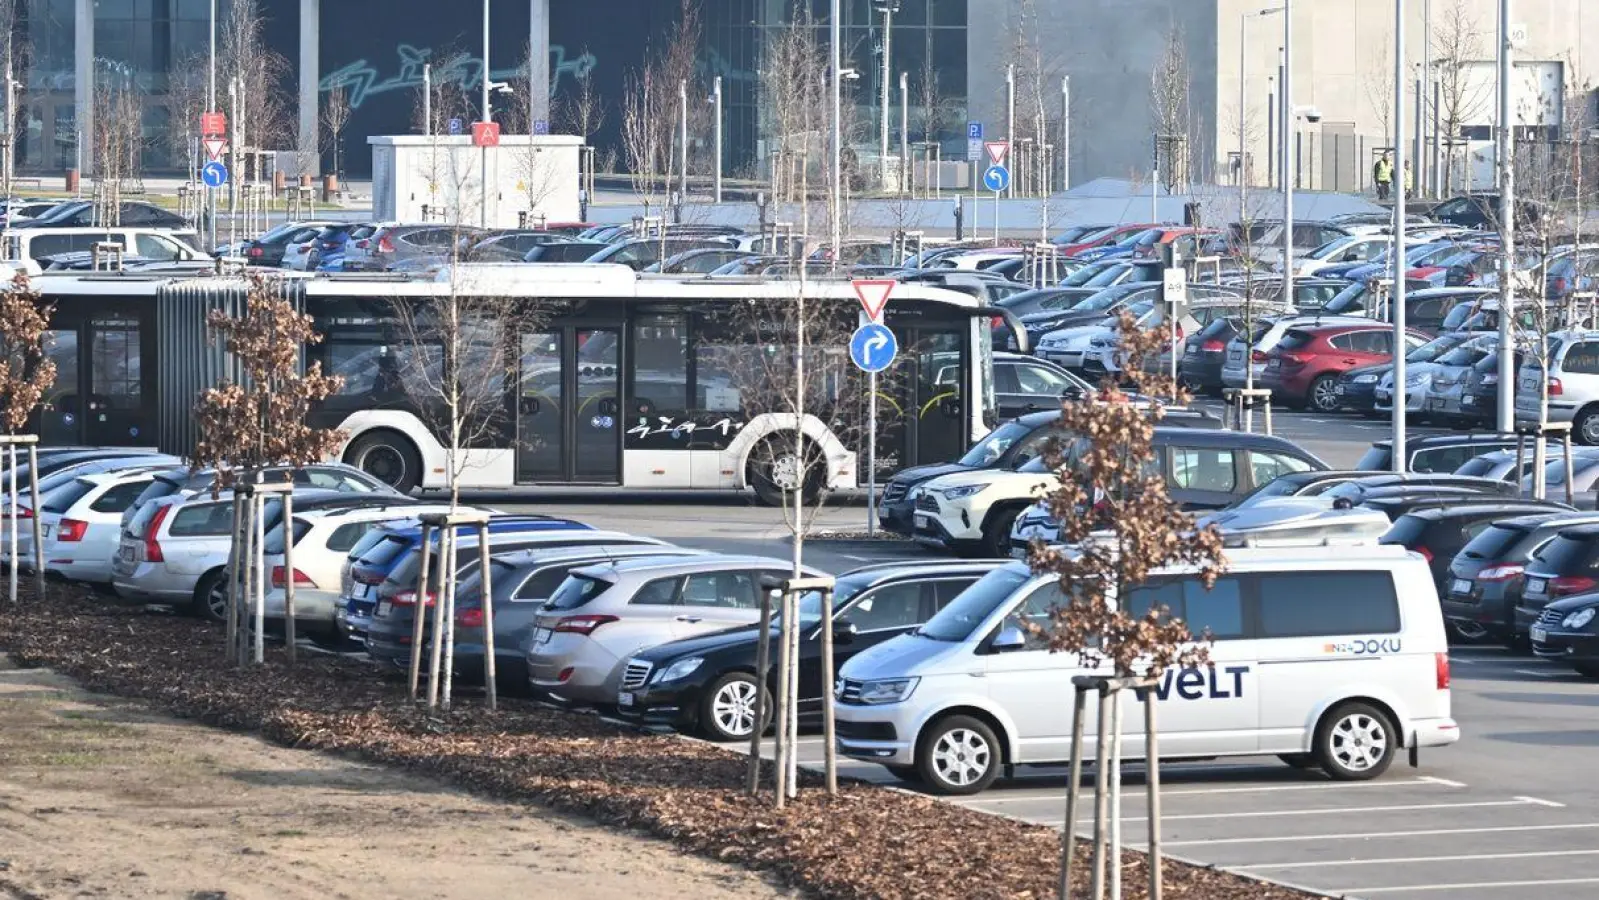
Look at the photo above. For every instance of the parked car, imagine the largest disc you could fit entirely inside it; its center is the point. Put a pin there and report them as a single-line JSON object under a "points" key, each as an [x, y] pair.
{"points": [[1400, 500], [708, 684], [1479, 395], [86, 214], [1242, 354], [1487, 576], [1437, 453], [1573, 385], [1439, 533], [1568, 564], [1567, 632], [187, 482], [268, 249], [394, 243], [82, 528], [1025, 385], [1303, 369], [564, 251], [602, 615], [329, 242], [523, 581], [699, 261], [1503, 465], [1480, 211], [40, 246], [1357, 388], [1376, 484], [1432, 388], [638, 253], [1309, 483]]}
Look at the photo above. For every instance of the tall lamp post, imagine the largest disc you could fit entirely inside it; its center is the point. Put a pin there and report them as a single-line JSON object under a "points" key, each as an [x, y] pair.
{"points": [[1286, 105], [1243, 101], [836, 151], [1400, 457], [1506, 418], [888, 8]]}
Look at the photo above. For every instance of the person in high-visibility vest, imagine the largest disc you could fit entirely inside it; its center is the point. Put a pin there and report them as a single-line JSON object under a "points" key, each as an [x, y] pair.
{"points": [[1382, 174], [1410, 185]]}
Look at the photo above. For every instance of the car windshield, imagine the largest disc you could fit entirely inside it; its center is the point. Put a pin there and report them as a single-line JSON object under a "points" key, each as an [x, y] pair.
{"points": [[957, 621], [1107, 298], [988, 450], [1564, 554], [1087, 273], [1464, 355], [1106, 276]]}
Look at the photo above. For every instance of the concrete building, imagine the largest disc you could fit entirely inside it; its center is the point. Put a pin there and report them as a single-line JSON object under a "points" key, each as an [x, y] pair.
{"points": [[1342, 66]]}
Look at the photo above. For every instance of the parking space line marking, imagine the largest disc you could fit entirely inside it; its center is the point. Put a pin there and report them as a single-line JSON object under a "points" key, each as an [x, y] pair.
{"points": [[1541, 674], [1470, 885], [1400, 860], [1367, 835], [1407, 807], [1328, 786], [1436, 780], [1542, 802]]}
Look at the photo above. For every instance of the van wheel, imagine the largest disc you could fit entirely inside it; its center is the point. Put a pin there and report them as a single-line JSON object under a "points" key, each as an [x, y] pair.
{"points": [[388, 456], [1299, 760], [1355, 742], [958, 755], [727, 709], [996, 537]]}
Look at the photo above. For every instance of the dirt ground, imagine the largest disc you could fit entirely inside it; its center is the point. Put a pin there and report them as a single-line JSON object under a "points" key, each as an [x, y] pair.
{"points": [[101, 798]]}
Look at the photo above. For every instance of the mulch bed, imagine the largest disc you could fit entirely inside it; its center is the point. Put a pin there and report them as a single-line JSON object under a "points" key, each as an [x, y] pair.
{"points": [[869, 842]]}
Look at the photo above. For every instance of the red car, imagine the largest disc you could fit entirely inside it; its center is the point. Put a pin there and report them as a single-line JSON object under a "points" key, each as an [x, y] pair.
{"points": [[1303, 369], [1110, 235]]}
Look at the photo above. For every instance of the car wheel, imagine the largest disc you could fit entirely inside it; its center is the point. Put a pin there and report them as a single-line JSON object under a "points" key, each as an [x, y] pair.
{"points": [[996, 537], [1587, 670], [958, 755], [1299, 760], [1323, 396], [389, 457], [727, 711], [1355, 742], [211, 597], [1586, 426]]}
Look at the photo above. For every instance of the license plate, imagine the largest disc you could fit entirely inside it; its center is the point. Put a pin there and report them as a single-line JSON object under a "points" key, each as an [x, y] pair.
{"points": [[625, 698], [128, 553], [1339, 390], [923, 520], [1235, 356], [1529, 384], [1435, 403], [1461, 586], [384, 607], [1536, 586], [1274, 363], [541, 635], [1468, 400], [1540, 634], [44, 531], [359, 590]]}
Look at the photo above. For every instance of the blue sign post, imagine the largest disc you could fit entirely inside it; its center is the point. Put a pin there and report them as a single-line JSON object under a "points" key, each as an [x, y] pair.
{"points": [[872, 347], [453, 126], [974, 131], [974, 141], [214, 174], [996, 179]]}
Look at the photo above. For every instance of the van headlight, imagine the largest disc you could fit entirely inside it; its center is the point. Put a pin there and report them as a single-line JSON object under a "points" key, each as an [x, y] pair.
{"points": [[965, 490], [680, 669], [892, 690], [1579, 619]]}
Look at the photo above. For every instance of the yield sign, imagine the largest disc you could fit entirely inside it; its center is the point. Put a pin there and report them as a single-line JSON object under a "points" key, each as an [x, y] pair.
{"points": [[215, 147], [997, 150], [873, 294]]}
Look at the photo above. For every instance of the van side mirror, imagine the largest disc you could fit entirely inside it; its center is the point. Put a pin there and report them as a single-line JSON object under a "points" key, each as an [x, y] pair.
{"points": [[1009, 640], [844, 631]]}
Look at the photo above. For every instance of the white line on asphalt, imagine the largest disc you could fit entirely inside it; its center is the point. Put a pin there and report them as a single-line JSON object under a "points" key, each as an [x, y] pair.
{"points": [[1543, 802], [1468, 885], [1258, 789], [1402, 860], [1540, 674], [1443, 781], [1408, 807], [1367, 835]]}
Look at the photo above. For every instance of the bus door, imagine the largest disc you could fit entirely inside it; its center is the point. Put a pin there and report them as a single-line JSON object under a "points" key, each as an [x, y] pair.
{"points": [[568, 412], [99, 396], [920, 401]]}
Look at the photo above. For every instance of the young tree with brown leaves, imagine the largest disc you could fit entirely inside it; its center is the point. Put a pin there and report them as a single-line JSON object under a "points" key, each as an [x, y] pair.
{"points": [[1120, 527], [260, 421], [26, 372]]}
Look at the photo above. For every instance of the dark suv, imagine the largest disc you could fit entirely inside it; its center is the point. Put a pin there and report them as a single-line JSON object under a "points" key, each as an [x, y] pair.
{"points": [[1567, 565], [1487, 575]]}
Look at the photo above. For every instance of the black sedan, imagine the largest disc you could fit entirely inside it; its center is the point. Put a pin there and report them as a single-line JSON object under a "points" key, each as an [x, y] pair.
{"points": [[1568, 631], [708, 683], [1203, 354]]}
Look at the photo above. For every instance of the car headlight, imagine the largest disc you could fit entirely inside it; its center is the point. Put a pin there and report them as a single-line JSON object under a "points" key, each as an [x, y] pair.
{"points": [[1365, 379], [680, 669], [1579, 619], [892, 690], [1102, 342], [965, 490], [1490, 379]]}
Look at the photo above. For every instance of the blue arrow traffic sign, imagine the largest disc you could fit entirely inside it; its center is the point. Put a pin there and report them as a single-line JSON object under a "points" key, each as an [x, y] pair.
{"points": [[872, 347], [214, 174], [996, 178]]}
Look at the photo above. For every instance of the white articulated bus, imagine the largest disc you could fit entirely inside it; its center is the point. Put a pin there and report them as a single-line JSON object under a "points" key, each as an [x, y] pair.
{"points": [[622, 379]]}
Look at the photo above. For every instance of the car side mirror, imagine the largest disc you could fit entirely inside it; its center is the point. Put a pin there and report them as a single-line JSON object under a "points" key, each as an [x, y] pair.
{"points": [[844, 631], [1009, 640]]}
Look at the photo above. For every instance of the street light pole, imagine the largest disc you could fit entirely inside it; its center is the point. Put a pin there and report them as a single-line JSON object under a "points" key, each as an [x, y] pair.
{"points": [[1507, 227], [888, 8], [716, 98], [1243, 98], [1400, 457], [904, 131], [682, 136], [1065, 132], [1287, 112], [836, 41], [1010, 119], [488, 116], [1424, 171]]}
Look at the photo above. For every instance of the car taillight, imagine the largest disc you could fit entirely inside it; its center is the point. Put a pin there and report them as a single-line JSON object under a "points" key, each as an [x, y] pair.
{"points": [[22, 512], [471, 617], [1212, 346], [1571, 584], [361, 244], [255, 251], [1257, 356], [408, 598], [1500, 573], [1441, 667], [1425, 553], [152, 550], [385, 245], [1554, 387], [581, 624], [71, 530], [996, 322], [300, 578]]}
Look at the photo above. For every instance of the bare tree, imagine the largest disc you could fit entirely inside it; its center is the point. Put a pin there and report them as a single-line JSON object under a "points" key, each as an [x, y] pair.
{"points": [[581, 111], [118, 140], [1377, 79], [650, 106], [185, 101], [1119, 527], [1170, 114], [1458, 48], [26, 373], [448, 98], [335, 118], [265, 109]]}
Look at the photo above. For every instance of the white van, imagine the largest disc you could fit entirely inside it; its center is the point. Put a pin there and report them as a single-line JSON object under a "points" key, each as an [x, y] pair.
{"points": [[1329, 659], [156, 244]]}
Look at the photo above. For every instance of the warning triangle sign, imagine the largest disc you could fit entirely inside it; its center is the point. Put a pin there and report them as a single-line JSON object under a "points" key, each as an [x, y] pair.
{"points": [[997, 151], [873, 293], [215, 147]]}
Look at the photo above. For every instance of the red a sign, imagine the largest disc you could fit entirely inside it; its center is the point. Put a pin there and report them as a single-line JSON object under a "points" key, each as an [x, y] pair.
{"points": [[485, 134], [213, 124]]}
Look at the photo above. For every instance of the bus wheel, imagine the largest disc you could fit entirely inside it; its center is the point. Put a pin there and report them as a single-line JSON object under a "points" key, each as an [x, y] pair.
{"points": [[775, 470], [389, 457]]}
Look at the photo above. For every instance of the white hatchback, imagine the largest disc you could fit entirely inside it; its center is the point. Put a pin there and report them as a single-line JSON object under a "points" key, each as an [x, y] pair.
{"points": [[82, 524]]}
